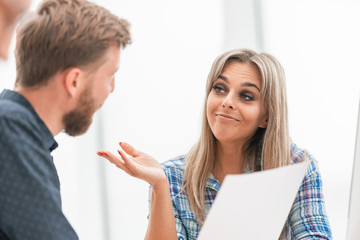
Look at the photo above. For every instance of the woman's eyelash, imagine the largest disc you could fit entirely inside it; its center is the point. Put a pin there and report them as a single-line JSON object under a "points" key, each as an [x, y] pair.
{"points": [[246, 96], [217, 88]]}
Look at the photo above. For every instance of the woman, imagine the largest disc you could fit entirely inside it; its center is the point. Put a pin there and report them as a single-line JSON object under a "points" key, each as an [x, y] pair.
{"points": [[244, 129]]}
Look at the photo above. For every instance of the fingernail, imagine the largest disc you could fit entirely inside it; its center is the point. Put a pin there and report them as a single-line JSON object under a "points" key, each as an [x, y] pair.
{"points": [[120, 143], [99, 153], [119, 152]]}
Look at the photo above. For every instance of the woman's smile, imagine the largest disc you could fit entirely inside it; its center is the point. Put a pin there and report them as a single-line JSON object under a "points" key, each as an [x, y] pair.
{"points": [[226, 117]]}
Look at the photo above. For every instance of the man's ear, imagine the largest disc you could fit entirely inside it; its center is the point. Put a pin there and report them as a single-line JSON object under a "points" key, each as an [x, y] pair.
{"points": [[264, 123], [72, 80]]}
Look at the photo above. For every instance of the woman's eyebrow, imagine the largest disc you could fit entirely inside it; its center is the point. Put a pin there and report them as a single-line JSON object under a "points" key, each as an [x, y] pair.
{"points": [[246, 84], [222, 78]]}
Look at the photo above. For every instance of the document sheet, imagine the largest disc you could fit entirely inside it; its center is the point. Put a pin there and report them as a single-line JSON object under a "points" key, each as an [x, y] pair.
{"points": [[255, 205]]}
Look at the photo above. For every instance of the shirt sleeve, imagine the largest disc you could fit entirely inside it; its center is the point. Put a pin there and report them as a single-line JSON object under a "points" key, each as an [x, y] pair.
{"points": [[174, 177], [308, 218], [30, 203], [180, 229]]}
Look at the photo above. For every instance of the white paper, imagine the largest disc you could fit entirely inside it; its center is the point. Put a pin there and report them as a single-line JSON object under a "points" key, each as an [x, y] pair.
{"points": [[255, 205], [353, 230]]}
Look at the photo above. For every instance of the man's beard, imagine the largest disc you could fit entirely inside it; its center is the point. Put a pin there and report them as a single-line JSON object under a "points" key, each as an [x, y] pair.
{"points": [[78, 121]]}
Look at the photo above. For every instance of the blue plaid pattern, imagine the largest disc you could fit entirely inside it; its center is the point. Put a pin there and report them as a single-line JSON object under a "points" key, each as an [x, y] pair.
{"points": [[307, 218]]}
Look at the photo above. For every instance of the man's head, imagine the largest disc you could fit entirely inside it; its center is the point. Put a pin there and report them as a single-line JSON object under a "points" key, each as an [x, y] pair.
{"points": [[10, 10], [64, 34], [100, 83], [78, 42]]}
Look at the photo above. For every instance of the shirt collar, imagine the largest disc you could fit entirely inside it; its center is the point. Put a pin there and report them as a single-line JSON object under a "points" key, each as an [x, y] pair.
{"points": [[49, 140], [214, 184]]}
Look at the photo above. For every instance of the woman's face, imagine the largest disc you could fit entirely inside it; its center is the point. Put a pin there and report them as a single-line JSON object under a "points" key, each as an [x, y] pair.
{"points": [[234, 108]]}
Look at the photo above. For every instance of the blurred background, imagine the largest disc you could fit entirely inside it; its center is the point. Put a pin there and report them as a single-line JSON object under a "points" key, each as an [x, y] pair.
{"points": [[158, 99]]}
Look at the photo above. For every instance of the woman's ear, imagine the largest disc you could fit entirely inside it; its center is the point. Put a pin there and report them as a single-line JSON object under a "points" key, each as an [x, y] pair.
{"points": [[72, 81], [264, 123]]}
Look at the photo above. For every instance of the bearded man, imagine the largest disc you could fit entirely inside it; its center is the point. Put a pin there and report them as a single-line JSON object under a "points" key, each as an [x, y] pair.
{"points": [[66, 58]]}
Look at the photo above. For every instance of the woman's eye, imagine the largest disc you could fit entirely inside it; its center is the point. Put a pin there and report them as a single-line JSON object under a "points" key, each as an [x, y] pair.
{"points": [[246, 97], [218, 88]]}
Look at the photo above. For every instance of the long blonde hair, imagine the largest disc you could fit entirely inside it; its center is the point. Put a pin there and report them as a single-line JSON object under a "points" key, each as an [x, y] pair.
{"points": [[271, 144]]}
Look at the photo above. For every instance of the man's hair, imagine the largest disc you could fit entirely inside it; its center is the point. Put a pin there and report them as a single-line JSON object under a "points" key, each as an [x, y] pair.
{"points": [[64, 34]]}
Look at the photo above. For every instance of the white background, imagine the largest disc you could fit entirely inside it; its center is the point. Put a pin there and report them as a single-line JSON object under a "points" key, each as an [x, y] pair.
{"points": [[157, 103]]}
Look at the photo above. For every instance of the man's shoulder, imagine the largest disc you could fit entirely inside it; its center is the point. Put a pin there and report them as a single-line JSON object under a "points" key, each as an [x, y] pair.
{"points": [[10, 110], [16, 121]]}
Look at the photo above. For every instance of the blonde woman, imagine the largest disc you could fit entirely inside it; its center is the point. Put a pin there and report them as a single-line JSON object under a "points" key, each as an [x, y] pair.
{"points": [[244, 129]]}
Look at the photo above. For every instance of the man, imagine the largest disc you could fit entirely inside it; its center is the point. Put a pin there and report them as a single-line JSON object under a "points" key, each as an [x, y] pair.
{"points": [[10, 10], [66, 58]]}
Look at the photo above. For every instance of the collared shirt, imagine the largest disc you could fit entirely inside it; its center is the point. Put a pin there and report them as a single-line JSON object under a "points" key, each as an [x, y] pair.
{"points": [[307, 218], [30, 203]]}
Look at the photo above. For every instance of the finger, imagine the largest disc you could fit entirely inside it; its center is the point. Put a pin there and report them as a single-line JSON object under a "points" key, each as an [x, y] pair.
{"points": [[128, 162], [129, 149], [118, 161], [111, 157]]}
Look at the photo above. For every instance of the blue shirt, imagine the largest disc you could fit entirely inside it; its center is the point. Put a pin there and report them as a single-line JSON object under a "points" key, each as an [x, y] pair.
{"points": [[30, 203], [307, 218]]}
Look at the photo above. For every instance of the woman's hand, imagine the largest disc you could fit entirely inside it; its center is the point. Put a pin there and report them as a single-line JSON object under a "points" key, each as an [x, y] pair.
{"points": [[141, 165], [138, 164]]}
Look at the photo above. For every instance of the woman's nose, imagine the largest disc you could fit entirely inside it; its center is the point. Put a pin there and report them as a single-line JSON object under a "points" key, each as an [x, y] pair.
{"points": [[228, 102]]}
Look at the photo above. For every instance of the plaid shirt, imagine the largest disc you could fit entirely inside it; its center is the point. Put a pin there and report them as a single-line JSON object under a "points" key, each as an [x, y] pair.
{"points": [[307, 218]]}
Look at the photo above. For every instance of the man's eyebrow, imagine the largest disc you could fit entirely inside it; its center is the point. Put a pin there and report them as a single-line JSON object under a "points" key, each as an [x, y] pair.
{"points": [[246, 84]]}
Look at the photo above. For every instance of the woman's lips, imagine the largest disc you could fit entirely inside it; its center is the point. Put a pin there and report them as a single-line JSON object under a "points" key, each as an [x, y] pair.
{"points": [[226, 117]]}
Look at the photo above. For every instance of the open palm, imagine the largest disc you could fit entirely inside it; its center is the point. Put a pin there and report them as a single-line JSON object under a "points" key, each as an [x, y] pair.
{"points": [[137, 164]]}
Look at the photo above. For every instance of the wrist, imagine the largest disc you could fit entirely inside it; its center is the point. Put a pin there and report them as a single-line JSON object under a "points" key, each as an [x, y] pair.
{"points": [[160, 184]]}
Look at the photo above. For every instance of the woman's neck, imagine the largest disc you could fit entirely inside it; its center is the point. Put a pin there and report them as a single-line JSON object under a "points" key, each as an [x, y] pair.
{"points": [[228, 160]]}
